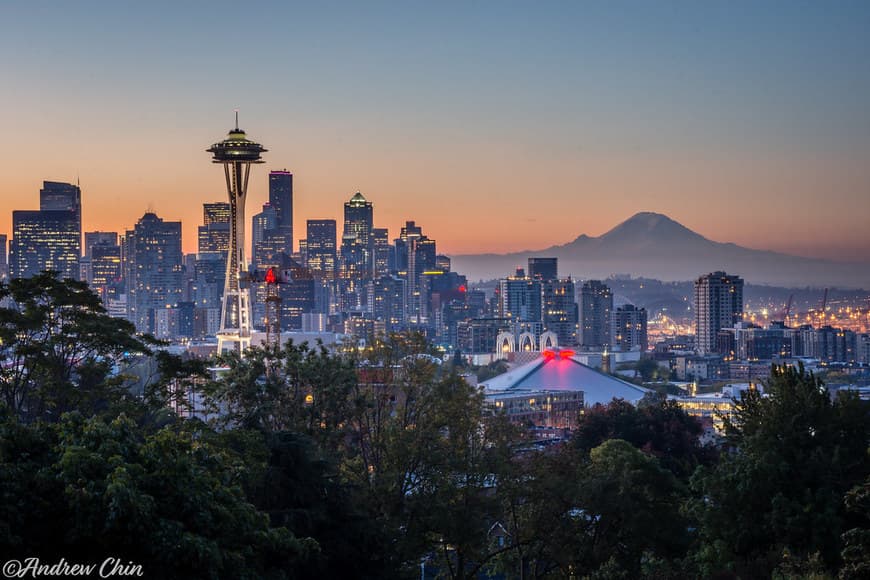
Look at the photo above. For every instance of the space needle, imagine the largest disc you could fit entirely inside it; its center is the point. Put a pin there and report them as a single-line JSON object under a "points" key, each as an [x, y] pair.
{"points": [[236, 153]]}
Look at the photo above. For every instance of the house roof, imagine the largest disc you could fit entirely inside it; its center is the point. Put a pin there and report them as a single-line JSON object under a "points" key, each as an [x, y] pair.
{"points": [[552, 372]]}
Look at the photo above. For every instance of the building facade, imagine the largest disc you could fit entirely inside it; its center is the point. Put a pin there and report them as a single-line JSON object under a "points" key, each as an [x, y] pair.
{"points": [[596, 307], [718, 305]]}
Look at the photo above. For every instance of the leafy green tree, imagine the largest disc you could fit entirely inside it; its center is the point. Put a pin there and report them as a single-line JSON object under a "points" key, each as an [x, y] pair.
{"points": [[59, 346], [605, 514], [661, 429], [856, 541], [797, 454], [295, 388], [169, 501]]}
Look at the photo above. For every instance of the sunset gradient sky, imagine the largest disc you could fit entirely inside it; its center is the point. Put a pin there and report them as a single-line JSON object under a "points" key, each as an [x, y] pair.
{"points": [[498, 126]]}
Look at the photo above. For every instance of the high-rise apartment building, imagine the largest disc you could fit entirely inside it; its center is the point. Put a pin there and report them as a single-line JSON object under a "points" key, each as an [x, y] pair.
{"points": [[519, 298], [321, 257], [718, 305], [596, 305], [629, 328], [154, 269], [281, 199]]}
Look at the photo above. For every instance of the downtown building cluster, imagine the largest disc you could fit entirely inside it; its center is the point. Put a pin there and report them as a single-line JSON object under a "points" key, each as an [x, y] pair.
{"points": [[351, 278], [347, 278]]}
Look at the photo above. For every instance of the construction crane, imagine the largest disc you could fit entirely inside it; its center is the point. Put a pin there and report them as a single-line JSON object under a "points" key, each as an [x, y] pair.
{"points": [[273, 307], [822, 309], [787, 310]]}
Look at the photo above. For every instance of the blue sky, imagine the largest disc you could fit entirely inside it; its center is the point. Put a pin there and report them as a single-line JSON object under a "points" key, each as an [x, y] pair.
{"points": [[439, 111]]}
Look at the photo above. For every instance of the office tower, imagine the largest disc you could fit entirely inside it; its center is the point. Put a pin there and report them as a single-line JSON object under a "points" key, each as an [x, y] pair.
{"points": [[55, 196], [519, 298], [718, 305], [356, 240], [105, 268], [383, 252], [442, 263], [102, 238], [44, 240], [216, 212], [154, 270], [213, 236], [629, 328], [236, 153], [559, 308], [415, 254], [281, 199], [265, 235], [543, 268], [320, 248], [4, 265], [596, 305]]}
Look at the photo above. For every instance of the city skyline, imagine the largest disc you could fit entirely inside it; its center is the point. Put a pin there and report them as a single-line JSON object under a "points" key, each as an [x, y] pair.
{"points": [[744, 123]]}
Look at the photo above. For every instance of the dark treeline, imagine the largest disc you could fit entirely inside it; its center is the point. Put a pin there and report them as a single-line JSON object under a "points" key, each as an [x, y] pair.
{"points": [[385, 464]]}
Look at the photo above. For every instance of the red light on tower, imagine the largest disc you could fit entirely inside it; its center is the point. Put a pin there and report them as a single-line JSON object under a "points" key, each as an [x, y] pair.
{"points": [[270, 276], [463, 289]]}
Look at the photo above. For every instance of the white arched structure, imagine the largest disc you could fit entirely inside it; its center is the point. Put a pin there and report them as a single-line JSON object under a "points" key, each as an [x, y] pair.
{"points": [[548, 340], [505, 342], [527, 342]]}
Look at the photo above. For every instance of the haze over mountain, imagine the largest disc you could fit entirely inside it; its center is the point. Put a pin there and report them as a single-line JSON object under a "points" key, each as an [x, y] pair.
{"points": [[653, 245]]}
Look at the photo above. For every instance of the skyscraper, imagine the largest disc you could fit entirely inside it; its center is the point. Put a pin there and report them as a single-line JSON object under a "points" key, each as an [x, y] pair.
{"points": [[50, 238], [356, 241], [4, 265], [281, 199], [94, 238], [154, 263], [105, 266], [44, 240], [320, 248], [383, 252], [596, 305], [718, 305], [559, 308], [216, 212], [264, 232], [519, 298], [56, 196], [543, 268]]}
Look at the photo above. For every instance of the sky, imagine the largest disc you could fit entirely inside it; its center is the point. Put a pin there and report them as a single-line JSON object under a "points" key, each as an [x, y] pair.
{"points": [[498, 126]]}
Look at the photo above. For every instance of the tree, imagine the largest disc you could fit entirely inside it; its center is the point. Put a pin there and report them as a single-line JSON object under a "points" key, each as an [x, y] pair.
{"points": [[169, 501], [602, 514], [58, 346], [797, 454], [663, 430]]}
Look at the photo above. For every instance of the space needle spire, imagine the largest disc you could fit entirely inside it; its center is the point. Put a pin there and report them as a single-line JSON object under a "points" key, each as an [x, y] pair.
{"points": [[236, 153]]}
